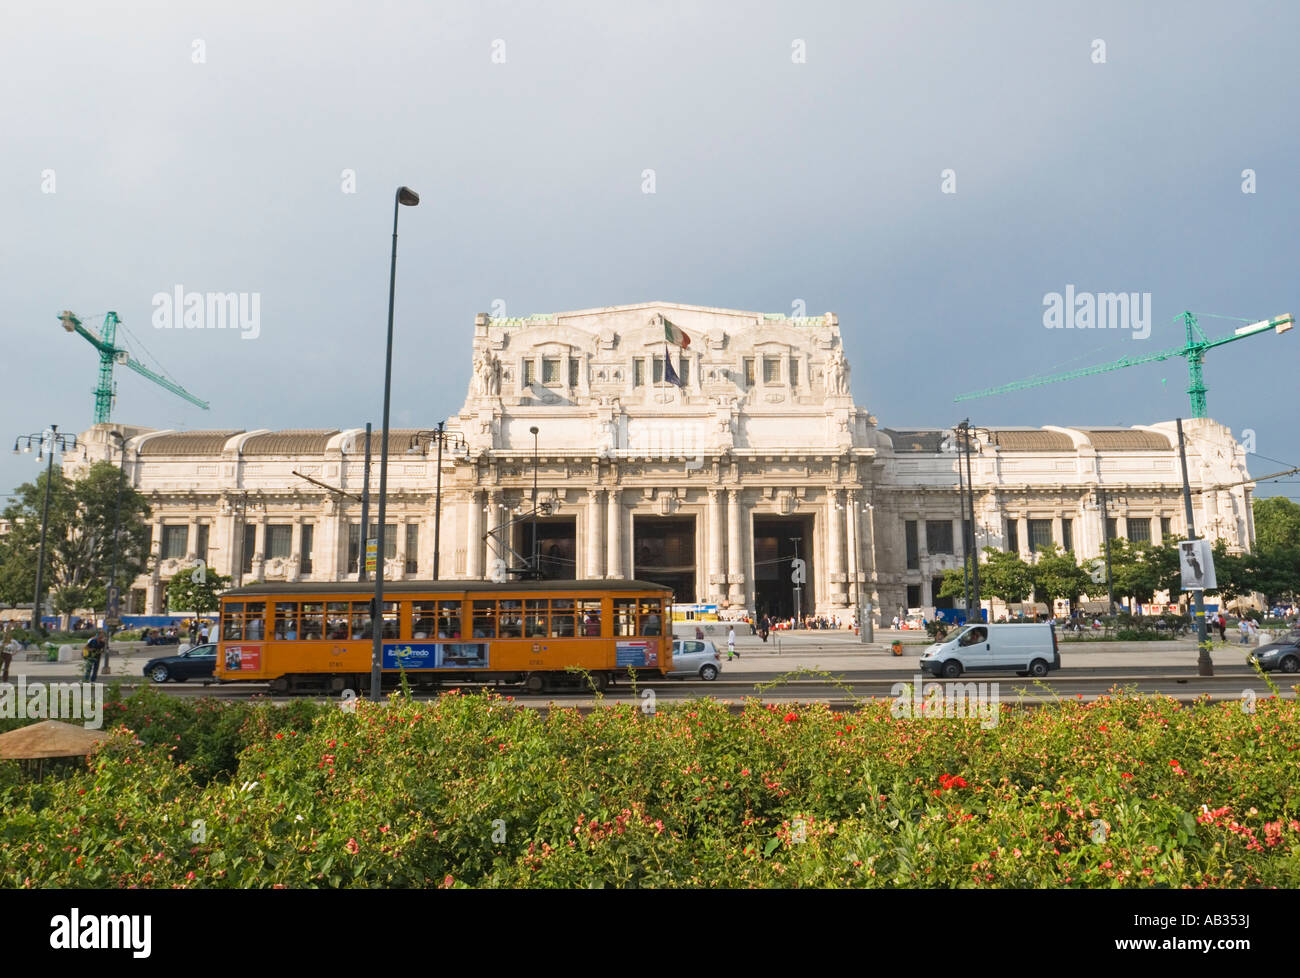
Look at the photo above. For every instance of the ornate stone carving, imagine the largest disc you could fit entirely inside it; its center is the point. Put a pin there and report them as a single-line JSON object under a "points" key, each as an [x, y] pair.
{"points": [[487, 375]]}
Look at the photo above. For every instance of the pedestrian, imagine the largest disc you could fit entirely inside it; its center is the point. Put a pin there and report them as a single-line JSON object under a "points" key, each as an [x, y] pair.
{"points": [[203, 634], [1222, 623], [1243, 628], [699, 633], [731, 643], [7, 653], [90, 657], [895, 624]]}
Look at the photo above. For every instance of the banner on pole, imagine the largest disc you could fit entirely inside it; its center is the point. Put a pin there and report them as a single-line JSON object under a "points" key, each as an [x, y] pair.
{"points": [[1196, 560]]}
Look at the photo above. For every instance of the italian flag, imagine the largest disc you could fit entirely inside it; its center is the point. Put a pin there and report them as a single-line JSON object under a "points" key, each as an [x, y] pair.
{"points": [[675, 336]]}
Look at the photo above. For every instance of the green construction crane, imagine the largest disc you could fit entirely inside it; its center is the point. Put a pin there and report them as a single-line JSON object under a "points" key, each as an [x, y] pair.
{"points": [[1193, 351], [110, 354]]}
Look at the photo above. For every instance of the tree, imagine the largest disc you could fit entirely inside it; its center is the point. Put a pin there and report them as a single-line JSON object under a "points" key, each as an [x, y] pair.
{"points": [[1235, 574], [79, 538], [1139, 570], [1277, 522], [1276, 572], [1057, 576], [197, 589], [1004, 575]]}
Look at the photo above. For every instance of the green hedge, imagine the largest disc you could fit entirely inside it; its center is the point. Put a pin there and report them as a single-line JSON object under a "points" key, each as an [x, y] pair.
{"points": [[472, 790]]}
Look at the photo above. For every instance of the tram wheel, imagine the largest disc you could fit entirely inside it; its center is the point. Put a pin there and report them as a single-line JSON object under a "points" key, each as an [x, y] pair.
{"points": [[535, 683]]}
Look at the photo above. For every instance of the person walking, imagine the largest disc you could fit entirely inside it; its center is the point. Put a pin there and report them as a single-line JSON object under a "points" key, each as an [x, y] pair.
{"points": [[1221, 624], [1243, 628], [731, 643], [90, 657], [7, 653]]}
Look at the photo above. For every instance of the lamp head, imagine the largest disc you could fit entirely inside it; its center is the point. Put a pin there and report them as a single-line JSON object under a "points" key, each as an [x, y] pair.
{"points": [[533, 430], [407, 197]]}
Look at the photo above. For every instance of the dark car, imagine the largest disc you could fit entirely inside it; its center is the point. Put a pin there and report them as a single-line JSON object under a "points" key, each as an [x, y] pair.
{"points": [[195, 663], [1282, 653]]}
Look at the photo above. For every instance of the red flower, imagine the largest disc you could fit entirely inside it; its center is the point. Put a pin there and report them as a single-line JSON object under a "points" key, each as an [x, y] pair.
{"points": [[1126, 776], [352, 846], [744, 772], [790, 718], [279, 736]]}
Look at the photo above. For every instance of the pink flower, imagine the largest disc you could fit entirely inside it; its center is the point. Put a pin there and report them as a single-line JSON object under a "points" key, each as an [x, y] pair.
{"points": [[352, 846]]}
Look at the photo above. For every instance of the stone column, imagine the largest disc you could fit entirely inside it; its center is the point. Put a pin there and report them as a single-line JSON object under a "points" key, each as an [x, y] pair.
{"points": [[735, 555], [1058, 531], [595, 537], [491, 522], [295, 551], [835, 547], [1022, 531], [614, 538], [473, 543], [851, 543], [714, 589]]}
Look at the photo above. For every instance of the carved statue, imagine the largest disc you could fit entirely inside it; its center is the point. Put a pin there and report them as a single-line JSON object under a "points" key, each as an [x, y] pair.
{"points": [[487, 374], [837, 373]]}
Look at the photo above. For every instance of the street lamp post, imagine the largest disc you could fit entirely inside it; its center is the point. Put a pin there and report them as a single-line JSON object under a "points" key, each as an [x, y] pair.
{"points": [[405, 197], [535, 550], [57, 443], [111, 594], [457, 444]]}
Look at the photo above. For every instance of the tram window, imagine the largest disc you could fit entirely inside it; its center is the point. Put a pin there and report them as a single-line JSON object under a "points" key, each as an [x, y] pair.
{"points": [[313, 620], [562, 618], [652, 622], [286, 621], [624, 616], [423, 619], [388, 618], [336, 613], [361, 619], [449, 619], [232, 622], [535, 618], [255, 621], [485, 622], [509, 619], [589, 613]]}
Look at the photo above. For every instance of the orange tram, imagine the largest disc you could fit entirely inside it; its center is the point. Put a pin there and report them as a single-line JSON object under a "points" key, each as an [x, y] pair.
{"points": [[304, 636]]}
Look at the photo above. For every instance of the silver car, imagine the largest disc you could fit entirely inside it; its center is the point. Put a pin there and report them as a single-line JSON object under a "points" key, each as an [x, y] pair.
{"points": [[692, 657]]}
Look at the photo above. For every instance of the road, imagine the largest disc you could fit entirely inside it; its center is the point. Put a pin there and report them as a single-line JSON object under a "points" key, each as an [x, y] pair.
{"points": [[834, 667]]}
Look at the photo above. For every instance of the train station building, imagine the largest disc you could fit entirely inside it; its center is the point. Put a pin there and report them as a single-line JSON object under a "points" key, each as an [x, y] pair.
{"points": [[713, 471]]}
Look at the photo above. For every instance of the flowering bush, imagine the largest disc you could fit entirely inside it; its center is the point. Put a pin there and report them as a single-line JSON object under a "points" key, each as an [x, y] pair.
{"points": [[474, 791]]}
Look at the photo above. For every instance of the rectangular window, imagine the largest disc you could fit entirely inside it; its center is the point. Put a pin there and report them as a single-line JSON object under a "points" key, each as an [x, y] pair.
{"points": [[435, 619], [588, 613], [624, 616], [174, 541], [279, 540], [354, 546], [535, 617], [1067, 535], [286, 621], [1040, 535], [312, 621], [550, 370], [1139, 530], [412, 548], [527, 373], [749, 372], [1013, 537], [485, 619], [254, 621], [1166, 528], [771, 370], [232, 621], [683, 369], [638, 372], [794, 372], [938, 536], [336, 621], [1112, 527], [304, 553], [510, 618], [390, 538], [657, 374], [912, 545], [360, 620], [250, 545], [651, 617], [562, 612], [573, 371], [914, 595], [201, 542]]}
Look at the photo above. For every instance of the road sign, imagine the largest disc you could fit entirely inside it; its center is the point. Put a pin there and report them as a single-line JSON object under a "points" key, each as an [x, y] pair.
{"points": [[114, 593], [372, 554]]}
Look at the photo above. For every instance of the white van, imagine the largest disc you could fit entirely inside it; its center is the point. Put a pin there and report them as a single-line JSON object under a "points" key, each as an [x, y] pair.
{"points": [[1026, 650]]}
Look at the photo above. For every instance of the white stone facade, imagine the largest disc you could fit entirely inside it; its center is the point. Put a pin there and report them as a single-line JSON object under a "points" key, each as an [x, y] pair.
{"points": [[708, 485]]}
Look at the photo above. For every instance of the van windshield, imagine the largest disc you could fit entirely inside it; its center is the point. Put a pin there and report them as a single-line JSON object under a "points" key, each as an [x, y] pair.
{"points": [[973, 636]]}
